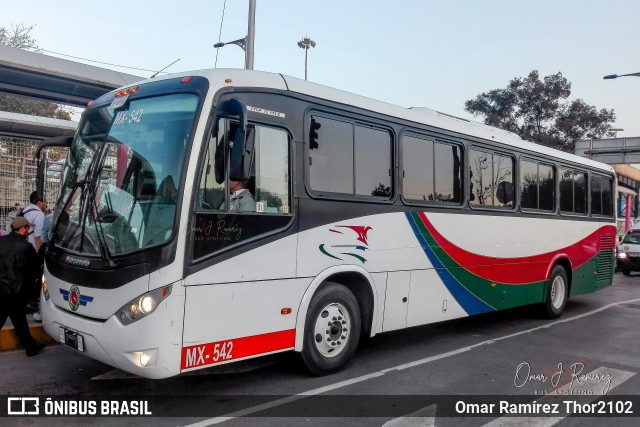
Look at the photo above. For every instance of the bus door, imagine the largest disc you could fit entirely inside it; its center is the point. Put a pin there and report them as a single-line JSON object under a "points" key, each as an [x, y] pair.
{"points": [[242, 250]]}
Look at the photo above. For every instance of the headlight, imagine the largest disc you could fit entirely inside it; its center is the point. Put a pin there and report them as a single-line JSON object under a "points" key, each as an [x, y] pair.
{"points": [[45, 289], [147, 304], [144, 359], [622, 255], [142, 306]]}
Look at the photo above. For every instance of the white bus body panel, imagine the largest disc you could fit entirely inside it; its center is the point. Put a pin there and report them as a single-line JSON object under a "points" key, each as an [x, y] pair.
{"points": [[276, 260], [510, 237], [239, 302]]}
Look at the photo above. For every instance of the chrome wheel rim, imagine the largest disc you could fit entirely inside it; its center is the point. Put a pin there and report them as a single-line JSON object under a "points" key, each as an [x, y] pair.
{"points": [[557, 292], [332, 330]]}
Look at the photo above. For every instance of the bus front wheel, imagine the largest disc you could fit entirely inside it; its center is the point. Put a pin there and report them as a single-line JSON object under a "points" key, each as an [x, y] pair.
{"points": [[332, 329], [557, 293]]}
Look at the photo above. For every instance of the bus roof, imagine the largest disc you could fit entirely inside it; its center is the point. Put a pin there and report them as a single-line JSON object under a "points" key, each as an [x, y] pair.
{"points": [[252, 78]]}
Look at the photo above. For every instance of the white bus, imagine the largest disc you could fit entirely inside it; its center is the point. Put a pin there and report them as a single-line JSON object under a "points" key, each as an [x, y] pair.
{"points": [[221, 215]]}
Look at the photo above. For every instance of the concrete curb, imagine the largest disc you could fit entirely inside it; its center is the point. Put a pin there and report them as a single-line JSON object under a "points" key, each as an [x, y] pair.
{"points": [[9, 339]]}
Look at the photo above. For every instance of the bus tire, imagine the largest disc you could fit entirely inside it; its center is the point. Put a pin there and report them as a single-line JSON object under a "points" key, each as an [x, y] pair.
{"points": [[557, 293], [332, 329]]}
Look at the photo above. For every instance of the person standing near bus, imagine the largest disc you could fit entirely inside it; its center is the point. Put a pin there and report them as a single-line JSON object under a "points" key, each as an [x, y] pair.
{"points": [[34, 213], [18, 264]]}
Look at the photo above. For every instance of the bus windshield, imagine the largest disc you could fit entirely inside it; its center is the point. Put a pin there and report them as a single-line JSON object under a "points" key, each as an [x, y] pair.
{"points": [[122, 177]]}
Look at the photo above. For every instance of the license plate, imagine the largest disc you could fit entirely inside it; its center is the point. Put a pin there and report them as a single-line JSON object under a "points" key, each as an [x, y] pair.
{"points": [[72, 339]]}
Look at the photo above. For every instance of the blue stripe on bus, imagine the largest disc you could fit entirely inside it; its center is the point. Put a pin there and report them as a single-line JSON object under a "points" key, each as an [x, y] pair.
{"points": [[467, 300]]}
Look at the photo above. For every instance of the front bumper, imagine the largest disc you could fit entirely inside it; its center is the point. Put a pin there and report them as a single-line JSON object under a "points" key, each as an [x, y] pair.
{"points": [[628, 263], [158, 336]]}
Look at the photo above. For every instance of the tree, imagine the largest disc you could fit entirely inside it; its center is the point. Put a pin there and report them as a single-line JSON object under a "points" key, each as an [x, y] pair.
{"points": [[20, 38], [537, 111]]}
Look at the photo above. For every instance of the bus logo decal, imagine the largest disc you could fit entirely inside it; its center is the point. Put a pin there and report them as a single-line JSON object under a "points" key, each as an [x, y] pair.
{"points": [[361, 232], [75, 298], [266, 112]]}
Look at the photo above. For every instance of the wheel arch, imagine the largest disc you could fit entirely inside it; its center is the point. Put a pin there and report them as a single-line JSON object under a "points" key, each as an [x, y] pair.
{"points": [[354, 278], [563, 261]]}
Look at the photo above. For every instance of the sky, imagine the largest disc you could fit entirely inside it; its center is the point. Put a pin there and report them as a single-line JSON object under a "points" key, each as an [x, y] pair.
{"points": [[425, 53]]}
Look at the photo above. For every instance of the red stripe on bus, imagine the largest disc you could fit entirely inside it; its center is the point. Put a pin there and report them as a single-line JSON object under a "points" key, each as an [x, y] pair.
{"points": [[520, 270], [236, 348]]}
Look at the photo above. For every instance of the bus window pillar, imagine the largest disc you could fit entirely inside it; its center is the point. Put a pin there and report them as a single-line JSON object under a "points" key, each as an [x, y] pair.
{"points": [[627, 210]]}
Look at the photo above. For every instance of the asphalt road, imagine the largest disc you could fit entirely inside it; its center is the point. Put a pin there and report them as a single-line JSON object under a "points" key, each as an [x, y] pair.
{"points": [[419, 376]]}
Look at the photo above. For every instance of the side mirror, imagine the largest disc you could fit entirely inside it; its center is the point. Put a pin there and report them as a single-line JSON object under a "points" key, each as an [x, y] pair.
{"points": [[242, 155], [232, 107], [57, 141]]}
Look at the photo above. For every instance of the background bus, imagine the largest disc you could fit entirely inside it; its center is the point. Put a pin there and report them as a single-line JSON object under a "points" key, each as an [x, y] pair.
{"points": [[366, 218]]}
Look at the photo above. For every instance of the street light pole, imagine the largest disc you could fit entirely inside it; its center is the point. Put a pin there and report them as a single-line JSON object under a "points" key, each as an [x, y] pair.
{"points": [[251, 35], [246, 43], [615, 76], [305, 44]]}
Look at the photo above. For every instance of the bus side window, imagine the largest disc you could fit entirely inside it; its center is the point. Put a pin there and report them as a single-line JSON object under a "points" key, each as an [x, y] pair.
{"points": [[270, 181]]}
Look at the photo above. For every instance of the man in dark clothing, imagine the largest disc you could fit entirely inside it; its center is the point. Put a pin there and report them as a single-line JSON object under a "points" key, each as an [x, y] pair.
{"points": [[18, 263]]}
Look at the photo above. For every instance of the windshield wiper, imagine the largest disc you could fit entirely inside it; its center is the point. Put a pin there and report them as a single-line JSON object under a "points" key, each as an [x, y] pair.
{"points": [[63, 208], [102, 241]]}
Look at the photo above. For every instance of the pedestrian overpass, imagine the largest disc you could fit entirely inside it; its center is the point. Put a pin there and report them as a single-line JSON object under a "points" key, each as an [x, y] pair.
{"points": [[54, 79], [51, 79]]}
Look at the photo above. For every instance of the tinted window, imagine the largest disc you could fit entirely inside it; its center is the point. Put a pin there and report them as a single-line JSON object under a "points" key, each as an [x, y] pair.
{"points": [[348, 158], [373, 162], [573, 197], [491, 177], [268, 185], [448, 170], [601, 196], [528, 184], [580, 192], [331, 162], [596, 196], [271, 171], [566, 190], [432, 171], [229, 213], [547, 188], [503, 181], [537, 186], [607, 200], [417, 163], [480, 171]]}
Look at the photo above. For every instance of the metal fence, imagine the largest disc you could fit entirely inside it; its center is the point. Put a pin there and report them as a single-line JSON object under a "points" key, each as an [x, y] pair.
{"points": [[18, 173]]}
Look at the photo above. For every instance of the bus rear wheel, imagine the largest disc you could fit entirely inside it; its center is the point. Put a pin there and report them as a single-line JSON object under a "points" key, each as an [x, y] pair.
{"points": [[332, 329], [557, 293]]}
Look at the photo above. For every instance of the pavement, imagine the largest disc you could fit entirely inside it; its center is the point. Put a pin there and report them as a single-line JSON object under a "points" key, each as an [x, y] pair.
{"points": [[9, 339]]}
